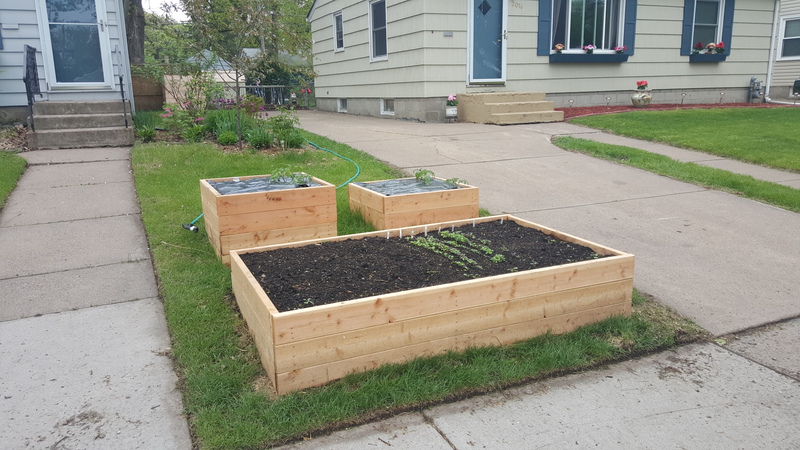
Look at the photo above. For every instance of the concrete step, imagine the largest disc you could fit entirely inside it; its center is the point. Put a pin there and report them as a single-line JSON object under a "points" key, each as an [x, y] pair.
{"points": [[79, 107], [69, 121], [525, 117], [518, 107], [82, 138]]}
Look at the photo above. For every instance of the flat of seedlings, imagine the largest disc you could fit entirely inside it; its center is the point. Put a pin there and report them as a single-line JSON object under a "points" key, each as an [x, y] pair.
{"points": [[337, 271]]}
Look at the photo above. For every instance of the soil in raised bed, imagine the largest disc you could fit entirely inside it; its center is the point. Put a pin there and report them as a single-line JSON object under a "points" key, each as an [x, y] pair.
{"points": [[329, 272]]}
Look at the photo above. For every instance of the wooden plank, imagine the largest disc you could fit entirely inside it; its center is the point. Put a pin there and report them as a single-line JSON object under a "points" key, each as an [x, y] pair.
{"points": [[372, 311], [286, 218], [275, 200], [448, 323], [321, 374], [431, 200], [278, 235], [433, 215]]}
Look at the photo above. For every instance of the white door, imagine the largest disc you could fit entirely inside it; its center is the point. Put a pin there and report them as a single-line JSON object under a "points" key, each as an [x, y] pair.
{"points": [[487, 41], [76, 44]]}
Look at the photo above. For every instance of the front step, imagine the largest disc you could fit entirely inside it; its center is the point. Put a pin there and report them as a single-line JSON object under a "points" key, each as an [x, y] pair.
{"points": [[79, 107], [82, 138], [507, 108], [69, 121]]}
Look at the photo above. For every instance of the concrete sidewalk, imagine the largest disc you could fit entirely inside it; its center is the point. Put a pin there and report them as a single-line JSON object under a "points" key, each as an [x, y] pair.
{"points": [[728, 263], [84, 347]]}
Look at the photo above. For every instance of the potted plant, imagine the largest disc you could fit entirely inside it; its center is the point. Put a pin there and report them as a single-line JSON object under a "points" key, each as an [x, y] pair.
{"points": [[405, 202], [642, 97], [589, 49], [559, 48], [620, 49], [451, 111]]}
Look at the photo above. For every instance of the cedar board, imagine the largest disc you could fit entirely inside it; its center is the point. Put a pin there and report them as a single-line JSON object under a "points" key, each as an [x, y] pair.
{"points": [[405, 210], [256, 219], [316, 345]]}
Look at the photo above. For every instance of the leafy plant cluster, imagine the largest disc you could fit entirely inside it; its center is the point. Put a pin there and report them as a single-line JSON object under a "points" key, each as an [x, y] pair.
{"points": [[459, 248], [426, 177]]}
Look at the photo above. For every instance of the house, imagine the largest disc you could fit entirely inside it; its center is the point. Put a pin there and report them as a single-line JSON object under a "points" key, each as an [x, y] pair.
{"points": [[402, 59], [783, 81], [80, 56]]}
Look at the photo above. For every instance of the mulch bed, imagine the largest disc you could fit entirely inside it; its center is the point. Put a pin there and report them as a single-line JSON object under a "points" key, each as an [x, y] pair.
{"points": [[571, 113], [330, 272]]}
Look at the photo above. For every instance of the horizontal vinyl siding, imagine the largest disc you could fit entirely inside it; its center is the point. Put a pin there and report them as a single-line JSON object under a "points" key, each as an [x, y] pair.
{"points": [[786, 72], [790, 7], [22, 15]]}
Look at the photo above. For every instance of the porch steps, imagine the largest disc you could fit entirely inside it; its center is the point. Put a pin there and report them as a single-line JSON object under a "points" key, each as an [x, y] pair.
{"points": [[507, 108], [80, 124]]}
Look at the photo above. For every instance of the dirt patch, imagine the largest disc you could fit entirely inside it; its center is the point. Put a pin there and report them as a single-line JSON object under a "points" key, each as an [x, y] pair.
{"points": [[571, 113], [330, 272], [13, 138]]}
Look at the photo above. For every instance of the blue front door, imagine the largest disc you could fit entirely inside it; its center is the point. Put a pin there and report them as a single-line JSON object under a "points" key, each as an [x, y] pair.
{"points": [[487, 61]]}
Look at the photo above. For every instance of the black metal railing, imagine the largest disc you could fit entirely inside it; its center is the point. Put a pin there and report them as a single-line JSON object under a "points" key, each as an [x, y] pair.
{"points": [[122, 93], [30, 75]]}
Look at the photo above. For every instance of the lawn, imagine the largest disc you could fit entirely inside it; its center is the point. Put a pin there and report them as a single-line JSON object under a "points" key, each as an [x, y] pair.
{"points": [[226, 392], [12, 166], [765, 136]]}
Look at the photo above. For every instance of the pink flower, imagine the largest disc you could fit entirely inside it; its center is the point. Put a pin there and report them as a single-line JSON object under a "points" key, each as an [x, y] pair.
{"points": [[451, 98], [199, 119]]}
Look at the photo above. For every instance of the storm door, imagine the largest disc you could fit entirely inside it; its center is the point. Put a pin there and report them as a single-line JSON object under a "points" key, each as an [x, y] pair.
{"points": [[487, 41], [76, 48]]}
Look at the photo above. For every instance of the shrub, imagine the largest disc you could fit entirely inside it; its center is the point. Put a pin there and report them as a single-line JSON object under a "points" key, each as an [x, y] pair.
{"points": [[260, 137], [196, 133], [227, 138], [146, 133], [286, 120], [290, 138], [176, 119]]}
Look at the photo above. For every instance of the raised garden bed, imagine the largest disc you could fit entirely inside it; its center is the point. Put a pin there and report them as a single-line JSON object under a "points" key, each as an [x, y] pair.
{"points": [[407, 202], [314, 345], [253, 211]]}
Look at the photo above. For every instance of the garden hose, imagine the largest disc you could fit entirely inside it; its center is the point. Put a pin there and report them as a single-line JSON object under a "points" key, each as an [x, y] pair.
{"points": [[192, 227]]}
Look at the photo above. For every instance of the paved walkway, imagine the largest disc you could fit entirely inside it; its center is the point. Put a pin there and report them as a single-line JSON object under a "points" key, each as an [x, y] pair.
{"points": [[729, 263], [84, 348]]}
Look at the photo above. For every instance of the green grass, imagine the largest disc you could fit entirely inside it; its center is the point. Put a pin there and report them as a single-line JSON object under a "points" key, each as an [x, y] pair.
{"points": [[223, 383], [744, 185], [766, 136], [12, 166]]}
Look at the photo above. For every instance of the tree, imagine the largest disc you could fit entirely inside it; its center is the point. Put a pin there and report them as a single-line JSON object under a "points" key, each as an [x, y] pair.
{"points": [[134, 30]]}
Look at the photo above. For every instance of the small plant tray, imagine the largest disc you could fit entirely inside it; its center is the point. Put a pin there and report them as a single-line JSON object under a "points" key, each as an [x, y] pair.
{"points": [[418, 208], [254, 219], [315, 345]]}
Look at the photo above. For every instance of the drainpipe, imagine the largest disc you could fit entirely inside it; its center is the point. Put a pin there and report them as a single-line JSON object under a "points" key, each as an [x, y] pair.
{"points": [[771, 63]]}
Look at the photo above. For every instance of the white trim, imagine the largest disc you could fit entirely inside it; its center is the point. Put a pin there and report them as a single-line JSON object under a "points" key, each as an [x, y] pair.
{"points": [[336, 47], [341, 105], [105, 51], [782, 38], [384, 110], [504, 50], [372, 56], [720, 22]]}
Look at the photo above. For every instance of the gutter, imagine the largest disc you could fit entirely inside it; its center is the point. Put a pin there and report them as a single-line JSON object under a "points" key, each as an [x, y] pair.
{"points": [[771, 63]]}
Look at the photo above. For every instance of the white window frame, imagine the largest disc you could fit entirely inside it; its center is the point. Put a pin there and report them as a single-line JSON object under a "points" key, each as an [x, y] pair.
{"points": [[386, 109], [338, 28], [372, 30], [341, 105], [720, 22], [609, 47], [784, 20]]}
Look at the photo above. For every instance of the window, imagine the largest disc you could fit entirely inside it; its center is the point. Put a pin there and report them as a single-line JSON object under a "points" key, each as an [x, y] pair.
{"points": [[577, 23], [342, 105], [790, 38], [387, 106], [608, 25], [707, 22], [377, 29], [338, 32]]}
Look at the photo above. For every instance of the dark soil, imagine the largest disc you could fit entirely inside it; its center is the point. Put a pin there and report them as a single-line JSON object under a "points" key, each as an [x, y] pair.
{"points": [[329, 272]]}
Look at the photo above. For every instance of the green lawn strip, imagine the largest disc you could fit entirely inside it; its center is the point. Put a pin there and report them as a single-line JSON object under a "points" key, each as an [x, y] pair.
{"points": [[765, 136], [12, 166], [222, 379], [744, 185]]}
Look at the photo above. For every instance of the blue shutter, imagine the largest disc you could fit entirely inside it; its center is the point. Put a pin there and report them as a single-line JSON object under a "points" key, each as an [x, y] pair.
{"points": [[727, 25], [630, 26], [688, 26], [545, 27]]}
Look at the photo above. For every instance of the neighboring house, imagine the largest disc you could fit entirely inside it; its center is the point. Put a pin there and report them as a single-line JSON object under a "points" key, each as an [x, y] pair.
{"points": [[402, 58], [783, 84], [81, 52]]}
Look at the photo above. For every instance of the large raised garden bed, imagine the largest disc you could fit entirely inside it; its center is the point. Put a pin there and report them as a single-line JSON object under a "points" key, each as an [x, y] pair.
{"points": [[266, 212], [312, 346], [407, 202]]}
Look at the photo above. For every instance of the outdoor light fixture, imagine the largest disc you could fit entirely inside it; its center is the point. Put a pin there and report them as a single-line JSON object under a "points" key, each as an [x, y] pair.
{"points": [[683, 97], [571, 101], [608, 101], [721, 94]]}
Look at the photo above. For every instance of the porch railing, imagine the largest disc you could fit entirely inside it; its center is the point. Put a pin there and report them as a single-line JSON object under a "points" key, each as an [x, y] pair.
{"points": [[30, 75]]}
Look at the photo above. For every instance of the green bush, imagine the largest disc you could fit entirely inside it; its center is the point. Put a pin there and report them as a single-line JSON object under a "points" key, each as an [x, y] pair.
{"points": [[259, 137], [290, 138], [196, 133], [285, 121], [146, 133], [227, 138]]}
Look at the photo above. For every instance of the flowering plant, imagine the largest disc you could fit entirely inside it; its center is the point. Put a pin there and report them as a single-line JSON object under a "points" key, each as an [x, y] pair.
{"points": [[589, 48], [620, 49], [451, 100], [641, 85], [559, 48], [709, 48], [720, 48]]}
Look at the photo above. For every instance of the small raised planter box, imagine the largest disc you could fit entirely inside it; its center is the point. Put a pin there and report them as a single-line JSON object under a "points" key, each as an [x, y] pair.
{"points": [[265, 213], [312, 346], [407, 202]]}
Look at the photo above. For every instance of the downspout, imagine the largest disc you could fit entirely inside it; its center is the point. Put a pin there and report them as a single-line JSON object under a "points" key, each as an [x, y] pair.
{"points": [[771, 63]]}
